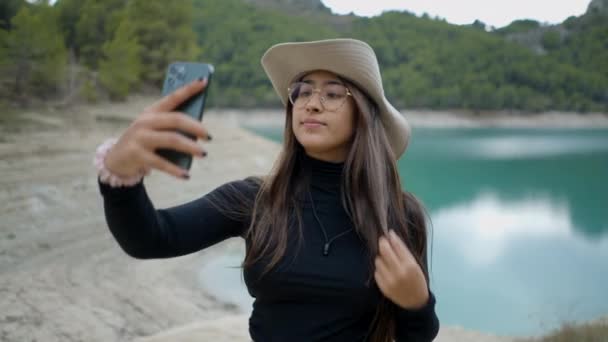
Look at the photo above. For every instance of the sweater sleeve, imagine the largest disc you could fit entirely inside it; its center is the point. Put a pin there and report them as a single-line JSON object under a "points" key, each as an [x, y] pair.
{"points": [[420, 325], [145, 232]]}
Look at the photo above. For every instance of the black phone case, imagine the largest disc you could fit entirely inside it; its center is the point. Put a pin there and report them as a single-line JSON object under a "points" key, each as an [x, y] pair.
{"points": [[178, 75]]}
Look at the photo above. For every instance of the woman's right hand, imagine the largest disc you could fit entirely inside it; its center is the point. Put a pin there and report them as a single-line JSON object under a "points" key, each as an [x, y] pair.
{"points": [[155, 128]]}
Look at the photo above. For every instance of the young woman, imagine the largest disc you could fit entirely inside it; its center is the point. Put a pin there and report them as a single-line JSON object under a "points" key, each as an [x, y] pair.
{"points": [[335, 250]]}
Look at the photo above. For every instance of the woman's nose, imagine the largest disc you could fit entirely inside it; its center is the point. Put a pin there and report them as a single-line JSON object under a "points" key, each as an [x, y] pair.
{"points": [[314, 104]]}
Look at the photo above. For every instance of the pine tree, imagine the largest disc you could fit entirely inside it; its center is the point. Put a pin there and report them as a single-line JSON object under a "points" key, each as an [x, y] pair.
{"points": [[96, 25], [120, 69], [69, 14], [8, 8], [34, 53], [165, 33]]}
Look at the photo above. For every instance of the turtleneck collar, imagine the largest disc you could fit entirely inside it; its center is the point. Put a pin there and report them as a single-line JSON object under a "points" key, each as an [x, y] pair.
{"points": [[323, 173]]}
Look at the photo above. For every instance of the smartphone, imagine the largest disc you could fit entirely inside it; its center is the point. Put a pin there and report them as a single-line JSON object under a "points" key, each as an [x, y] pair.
{"points": [[179, 74]]}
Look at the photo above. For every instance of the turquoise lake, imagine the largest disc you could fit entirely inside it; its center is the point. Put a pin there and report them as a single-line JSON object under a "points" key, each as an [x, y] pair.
{"points": [[519, 225]]}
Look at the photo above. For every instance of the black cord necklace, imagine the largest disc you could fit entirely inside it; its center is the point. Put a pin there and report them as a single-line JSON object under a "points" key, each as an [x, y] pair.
{"points": [[327, 242]]}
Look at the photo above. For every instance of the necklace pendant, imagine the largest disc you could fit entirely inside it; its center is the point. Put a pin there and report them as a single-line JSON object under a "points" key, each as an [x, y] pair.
{"points": [[326, 249]]}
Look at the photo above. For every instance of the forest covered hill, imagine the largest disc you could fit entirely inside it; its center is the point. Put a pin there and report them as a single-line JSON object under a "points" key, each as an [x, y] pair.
{"points": [[75, 50]]}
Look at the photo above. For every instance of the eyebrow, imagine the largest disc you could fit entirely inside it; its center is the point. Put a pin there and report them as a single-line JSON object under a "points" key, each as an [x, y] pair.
{"points": [[326, 82]]}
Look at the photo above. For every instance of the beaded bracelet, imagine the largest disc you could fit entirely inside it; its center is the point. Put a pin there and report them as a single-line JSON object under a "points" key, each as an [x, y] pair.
{"points": [[106, 176]]}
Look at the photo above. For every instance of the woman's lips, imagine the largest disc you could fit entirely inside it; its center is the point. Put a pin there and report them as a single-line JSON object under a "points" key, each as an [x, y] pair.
{"points": [[310, 123]]}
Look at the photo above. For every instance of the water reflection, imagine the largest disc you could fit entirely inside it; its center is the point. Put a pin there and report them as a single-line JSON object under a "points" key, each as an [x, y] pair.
{"points": [[516, 267], [516, 147], [483, 227], [496, 144], [446, 167]]}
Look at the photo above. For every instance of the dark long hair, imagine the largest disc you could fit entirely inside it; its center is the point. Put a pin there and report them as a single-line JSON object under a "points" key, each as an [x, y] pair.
{"points": [[372, 196]]}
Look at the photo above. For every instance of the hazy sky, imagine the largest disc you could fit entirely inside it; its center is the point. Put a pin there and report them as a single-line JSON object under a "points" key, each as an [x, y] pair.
{"points": [[496, 13]]}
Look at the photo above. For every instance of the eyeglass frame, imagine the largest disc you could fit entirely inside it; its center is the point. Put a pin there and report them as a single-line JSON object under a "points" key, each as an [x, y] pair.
{"points": [[321, 98]]}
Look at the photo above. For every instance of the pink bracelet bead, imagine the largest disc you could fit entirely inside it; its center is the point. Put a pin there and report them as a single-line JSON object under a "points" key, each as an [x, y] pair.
{"points": [[106, 176]]}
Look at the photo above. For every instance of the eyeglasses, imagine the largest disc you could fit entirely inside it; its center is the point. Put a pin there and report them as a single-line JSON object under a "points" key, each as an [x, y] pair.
{"points": [[332, 95]]}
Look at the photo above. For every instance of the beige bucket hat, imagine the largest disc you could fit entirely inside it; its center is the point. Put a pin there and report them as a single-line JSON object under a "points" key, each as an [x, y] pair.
{"points": [[350, 58]]}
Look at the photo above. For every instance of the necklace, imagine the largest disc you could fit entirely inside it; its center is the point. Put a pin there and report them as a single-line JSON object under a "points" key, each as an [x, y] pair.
{"points": [[327, 244]]}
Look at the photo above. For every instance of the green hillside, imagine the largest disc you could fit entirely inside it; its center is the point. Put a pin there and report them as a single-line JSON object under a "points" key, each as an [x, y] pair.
{"points": [[113, 48]]}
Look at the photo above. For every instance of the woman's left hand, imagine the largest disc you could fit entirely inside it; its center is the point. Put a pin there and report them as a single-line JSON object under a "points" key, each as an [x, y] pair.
{"points": [[398, 275]]}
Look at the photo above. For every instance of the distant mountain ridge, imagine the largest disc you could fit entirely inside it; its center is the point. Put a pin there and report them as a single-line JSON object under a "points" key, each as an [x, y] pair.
{"points": [[426, 62], [577, 43], [531, 33], [297, 7], [598, 5], [314, 10]]}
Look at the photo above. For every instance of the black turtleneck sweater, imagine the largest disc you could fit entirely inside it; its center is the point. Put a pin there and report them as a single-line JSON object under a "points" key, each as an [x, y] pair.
{"points": [[308, 296]]}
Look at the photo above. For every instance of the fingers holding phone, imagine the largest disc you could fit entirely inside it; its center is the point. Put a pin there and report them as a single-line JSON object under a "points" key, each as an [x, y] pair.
{"points": [[173, 100], [175, 121], [164, 136], [185, 100]]}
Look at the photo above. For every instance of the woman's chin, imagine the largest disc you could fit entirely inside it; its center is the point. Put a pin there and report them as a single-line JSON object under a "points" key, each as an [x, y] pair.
{"points": [[312, 140], [314, 146]]}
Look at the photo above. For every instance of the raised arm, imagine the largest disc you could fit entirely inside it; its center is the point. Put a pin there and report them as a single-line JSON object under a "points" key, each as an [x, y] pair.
{"points": [[145, 232], [140, 229]]}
